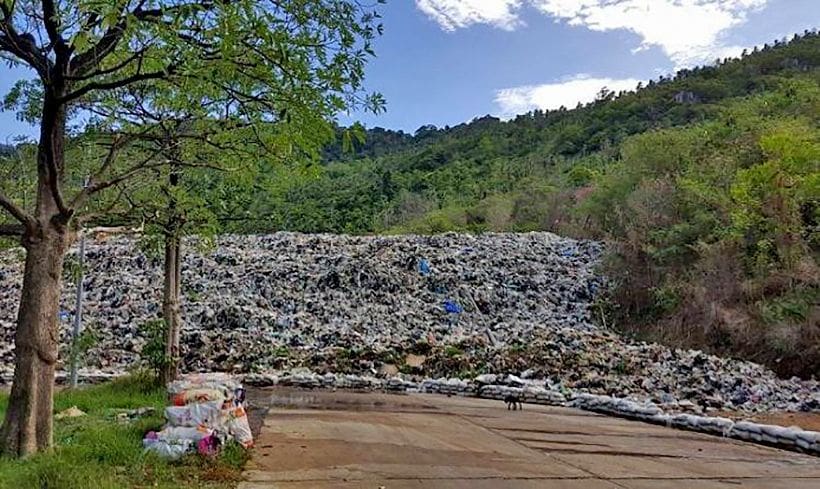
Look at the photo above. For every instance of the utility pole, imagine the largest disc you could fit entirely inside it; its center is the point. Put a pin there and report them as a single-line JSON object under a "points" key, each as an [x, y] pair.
{"points": [[78, 312], [78, 307]]}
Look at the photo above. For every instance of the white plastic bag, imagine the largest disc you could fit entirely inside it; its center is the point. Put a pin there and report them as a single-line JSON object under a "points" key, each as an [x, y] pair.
{"points": [[168, 450], [177, 433], [193, 415], [236, 422], [167, 447]]}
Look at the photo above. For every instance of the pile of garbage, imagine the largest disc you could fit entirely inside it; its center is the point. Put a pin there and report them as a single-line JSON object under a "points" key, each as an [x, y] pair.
{"points": [[252, 299], [605, 363], [206, 412], [407, 307]]}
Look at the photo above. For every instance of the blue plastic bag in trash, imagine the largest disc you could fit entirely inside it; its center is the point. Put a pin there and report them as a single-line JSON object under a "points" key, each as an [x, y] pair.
{"points": [[452, 307], [424, 267], [568, 252]]}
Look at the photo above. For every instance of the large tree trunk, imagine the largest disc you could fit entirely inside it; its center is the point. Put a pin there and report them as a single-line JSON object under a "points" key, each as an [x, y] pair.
{"points": [[27, 427], [28, 424]]}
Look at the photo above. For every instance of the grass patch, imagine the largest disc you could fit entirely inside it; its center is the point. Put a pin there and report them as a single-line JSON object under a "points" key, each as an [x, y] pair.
{"points": [[98, 452]]}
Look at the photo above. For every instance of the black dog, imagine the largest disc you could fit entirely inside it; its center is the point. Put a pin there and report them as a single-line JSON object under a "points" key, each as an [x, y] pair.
{"points": [[513, 402]]}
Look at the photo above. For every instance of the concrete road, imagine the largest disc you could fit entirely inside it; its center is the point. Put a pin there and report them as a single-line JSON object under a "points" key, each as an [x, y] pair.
{"points": [[323, 439]]}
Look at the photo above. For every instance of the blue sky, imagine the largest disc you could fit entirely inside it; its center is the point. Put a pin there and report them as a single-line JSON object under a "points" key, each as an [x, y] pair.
{"points": [[444, 62]]}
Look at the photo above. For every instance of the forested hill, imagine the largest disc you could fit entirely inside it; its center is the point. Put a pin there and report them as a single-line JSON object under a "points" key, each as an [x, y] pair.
{"points": [[705, 183], [688, 96], [392, 178]]}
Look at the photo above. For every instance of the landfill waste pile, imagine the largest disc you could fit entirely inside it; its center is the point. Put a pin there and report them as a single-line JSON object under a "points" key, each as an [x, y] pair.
{"points": [[206, 412], [251, 299], [414, 307]]}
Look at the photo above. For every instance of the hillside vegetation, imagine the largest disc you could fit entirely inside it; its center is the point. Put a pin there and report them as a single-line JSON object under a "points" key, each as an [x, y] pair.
{"points": [[705, 184]]}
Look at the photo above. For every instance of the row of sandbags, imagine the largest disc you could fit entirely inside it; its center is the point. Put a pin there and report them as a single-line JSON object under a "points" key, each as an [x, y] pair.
{"points": [[791, 437], [206, 411]]}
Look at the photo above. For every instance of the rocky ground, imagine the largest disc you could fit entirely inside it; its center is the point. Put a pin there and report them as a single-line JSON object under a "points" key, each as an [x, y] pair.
{"points": [[450, 305]]}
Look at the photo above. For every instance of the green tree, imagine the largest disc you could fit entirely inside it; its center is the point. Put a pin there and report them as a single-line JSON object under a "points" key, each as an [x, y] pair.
{"points": [[296, 60]]}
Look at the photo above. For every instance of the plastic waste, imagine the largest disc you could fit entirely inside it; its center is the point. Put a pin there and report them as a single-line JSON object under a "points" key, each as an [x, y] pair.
{"points": [[424, 267], [72, 412], [239, 395], [452, 307], [209, 446], [207, 408], [177, 433], [126, 415], [236, 421], [568, 252], [193, 415], [168, 450], [220, 381], [198, 395]]}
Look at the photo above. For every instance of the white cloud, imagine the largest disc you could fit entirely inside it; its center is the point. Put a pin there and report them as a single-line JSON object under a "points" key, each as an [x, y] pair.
{"points": [[700, 55], [455, 14], [568, 93], [688, 31]]}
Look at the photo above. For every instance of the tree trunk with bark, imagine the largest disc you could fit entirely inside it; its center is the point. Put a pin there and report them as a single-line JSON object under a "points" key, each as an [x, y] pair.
{"points": [[171, 311], [27, 427]]}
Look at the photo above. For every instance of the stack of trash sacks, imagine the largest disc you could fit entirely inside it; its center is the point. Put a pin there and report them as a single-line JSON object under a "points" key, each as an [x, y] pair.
{"points": [[206, 412]]}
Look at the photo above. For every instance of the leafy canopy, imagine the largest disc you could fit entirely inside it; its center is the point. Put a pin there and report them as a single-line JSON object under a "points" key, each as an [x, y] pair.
{"points": [[115, 63]]}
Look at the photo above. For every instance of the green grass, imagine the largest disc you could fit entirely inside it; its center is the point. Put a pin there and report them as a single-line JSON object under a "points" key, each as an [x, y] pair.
{"points": [[98, 452]]}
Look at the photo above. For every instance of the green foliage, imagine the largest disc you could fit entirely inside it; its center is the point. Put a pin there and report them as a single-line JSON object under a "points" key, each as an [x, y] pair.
{"points": [[770, 198], [544, 163], [217, 91], [793, 306], [621, 368], [153, 352], [280, 351], [72, 270], [88, 338], [580, 176]]}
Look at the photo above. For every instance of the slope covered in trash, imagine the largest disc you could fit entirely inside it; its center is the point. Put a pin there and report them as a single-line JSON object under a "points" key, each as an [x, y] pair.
{"points": [[252, 296], [442, 306]]}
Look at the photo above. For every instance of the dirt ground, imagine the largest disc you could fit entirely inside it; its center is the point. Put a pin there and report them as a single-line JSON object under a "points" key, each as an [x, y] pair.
{"points": [[806, 421]]}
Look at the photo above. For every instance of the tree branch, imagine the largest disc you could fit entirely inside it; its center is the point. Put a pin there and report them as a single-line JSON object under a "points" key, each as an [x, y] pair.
{"points": [[98, 73], [13, 230], [128, 173], [56, 194], [116, 145], [23, 48], [61, 49], [124, 82], [103, 212], [16, 211], [91, 58]]}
